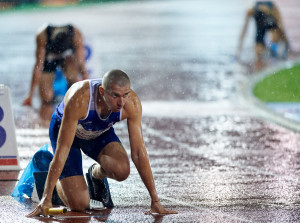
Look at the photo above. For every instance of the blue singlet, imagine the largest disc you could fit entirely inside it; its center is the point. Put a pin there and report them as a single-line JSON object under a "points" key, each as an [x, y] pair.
{"points": [[92, 135]]}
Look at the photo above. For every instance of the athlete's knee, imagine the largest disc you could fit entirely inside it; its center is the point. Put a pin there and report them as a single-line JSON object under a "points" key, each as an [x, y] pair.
{"points": [[47, 96], [122, 172], [79, 204]]}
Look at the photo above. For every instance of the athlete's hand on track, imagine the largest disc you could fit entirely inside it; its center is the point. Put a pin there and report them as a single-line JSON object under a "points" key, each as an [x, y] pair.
{"points": [[27, 102], [156, 208], [41, 208]]}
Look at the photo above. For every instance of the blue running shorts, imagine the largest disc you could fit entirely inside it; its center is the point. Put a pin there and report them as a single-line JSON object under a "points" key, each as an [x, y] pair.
{"points": [[91, 148]]}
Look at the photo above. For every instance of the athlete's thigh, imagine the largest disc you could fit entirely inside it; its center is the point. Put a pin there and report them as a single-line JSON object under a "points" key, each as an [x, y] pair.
{"points": [[114, 161], [276, 35], [71, 68], [114, 150]]}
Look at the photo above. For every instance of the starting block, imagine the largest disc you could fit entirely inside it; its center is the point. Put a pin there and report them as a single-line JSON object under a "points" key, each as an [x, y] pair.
{"points": [[39, 184], [9, 157]]}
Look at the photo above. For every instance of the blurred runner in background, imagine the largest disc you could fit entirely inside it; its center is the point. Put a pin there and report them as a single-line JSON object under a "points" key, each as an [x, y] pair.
{"points": [[268, 20], [57, 46]]}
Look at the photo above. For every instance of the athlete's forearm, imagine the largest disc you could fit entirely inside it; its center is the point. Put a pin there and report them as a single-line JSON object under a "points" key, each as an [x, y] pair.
{"points": [[80, 53], [243, 33], [55, 170], [142, 164], [39, 62], [35, 79], [52, 178]]}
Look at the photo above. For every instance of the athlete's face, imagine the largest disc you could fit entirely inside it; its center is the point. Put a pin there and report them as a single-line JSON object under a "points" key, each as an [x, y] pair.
{"points": [[116, 96]]}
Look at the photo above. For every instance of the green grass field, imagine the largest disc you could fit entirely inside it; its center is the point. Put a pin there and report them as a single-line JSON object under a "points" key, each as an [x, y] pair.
{"points": [[282, 86], [19, 5]]}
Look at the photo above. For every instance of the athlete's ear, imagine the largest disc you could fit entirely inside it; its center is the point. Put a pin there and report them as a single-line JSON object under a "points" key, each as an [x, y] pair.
{"points": [[101, 90]]}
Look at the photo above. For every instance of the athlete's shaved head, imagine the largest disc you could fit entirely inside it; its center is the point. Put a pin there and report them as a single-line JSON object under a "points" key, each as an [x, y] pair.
{"points": [[117, 77]]}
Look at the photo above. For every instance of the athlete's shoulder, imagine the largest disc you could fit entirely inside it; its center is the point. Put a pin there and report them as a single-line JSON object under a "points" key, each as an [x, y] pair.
{"points": [[41, 40], [250, 12], [78, 37], [133, 107], [77, 99], [79, 89], [134, 99], [43, 28]]}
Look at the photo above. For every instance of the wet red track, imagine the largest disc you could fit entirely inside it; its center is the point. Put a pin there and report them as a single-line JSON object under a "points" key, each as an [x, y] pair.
{"points": [[213, 159]]}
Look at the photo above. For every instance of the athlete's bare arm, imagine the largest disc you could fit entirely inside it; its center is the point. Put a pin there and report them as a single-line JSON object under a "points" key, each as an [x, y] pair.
{"points": [[41, 41], [243, 33], [133, 113], [278, 18], [80, 52], [76, 106]]}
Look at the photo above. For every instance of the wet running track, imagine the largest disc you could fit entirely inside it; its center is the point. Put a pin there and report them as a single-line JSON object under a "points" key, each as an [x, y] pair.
{"points": [[213, 158]]}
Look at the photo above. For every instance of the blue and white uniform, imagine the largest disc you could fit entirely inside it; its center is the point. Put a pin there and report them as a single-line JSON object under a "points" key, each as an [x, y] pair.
{"points": [[92, 134]]}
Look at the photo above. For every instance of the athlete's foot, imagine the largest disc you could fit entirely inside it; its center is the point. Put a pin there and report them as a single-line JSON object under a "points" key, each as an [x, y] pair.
{"points": [[99, 189]]}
